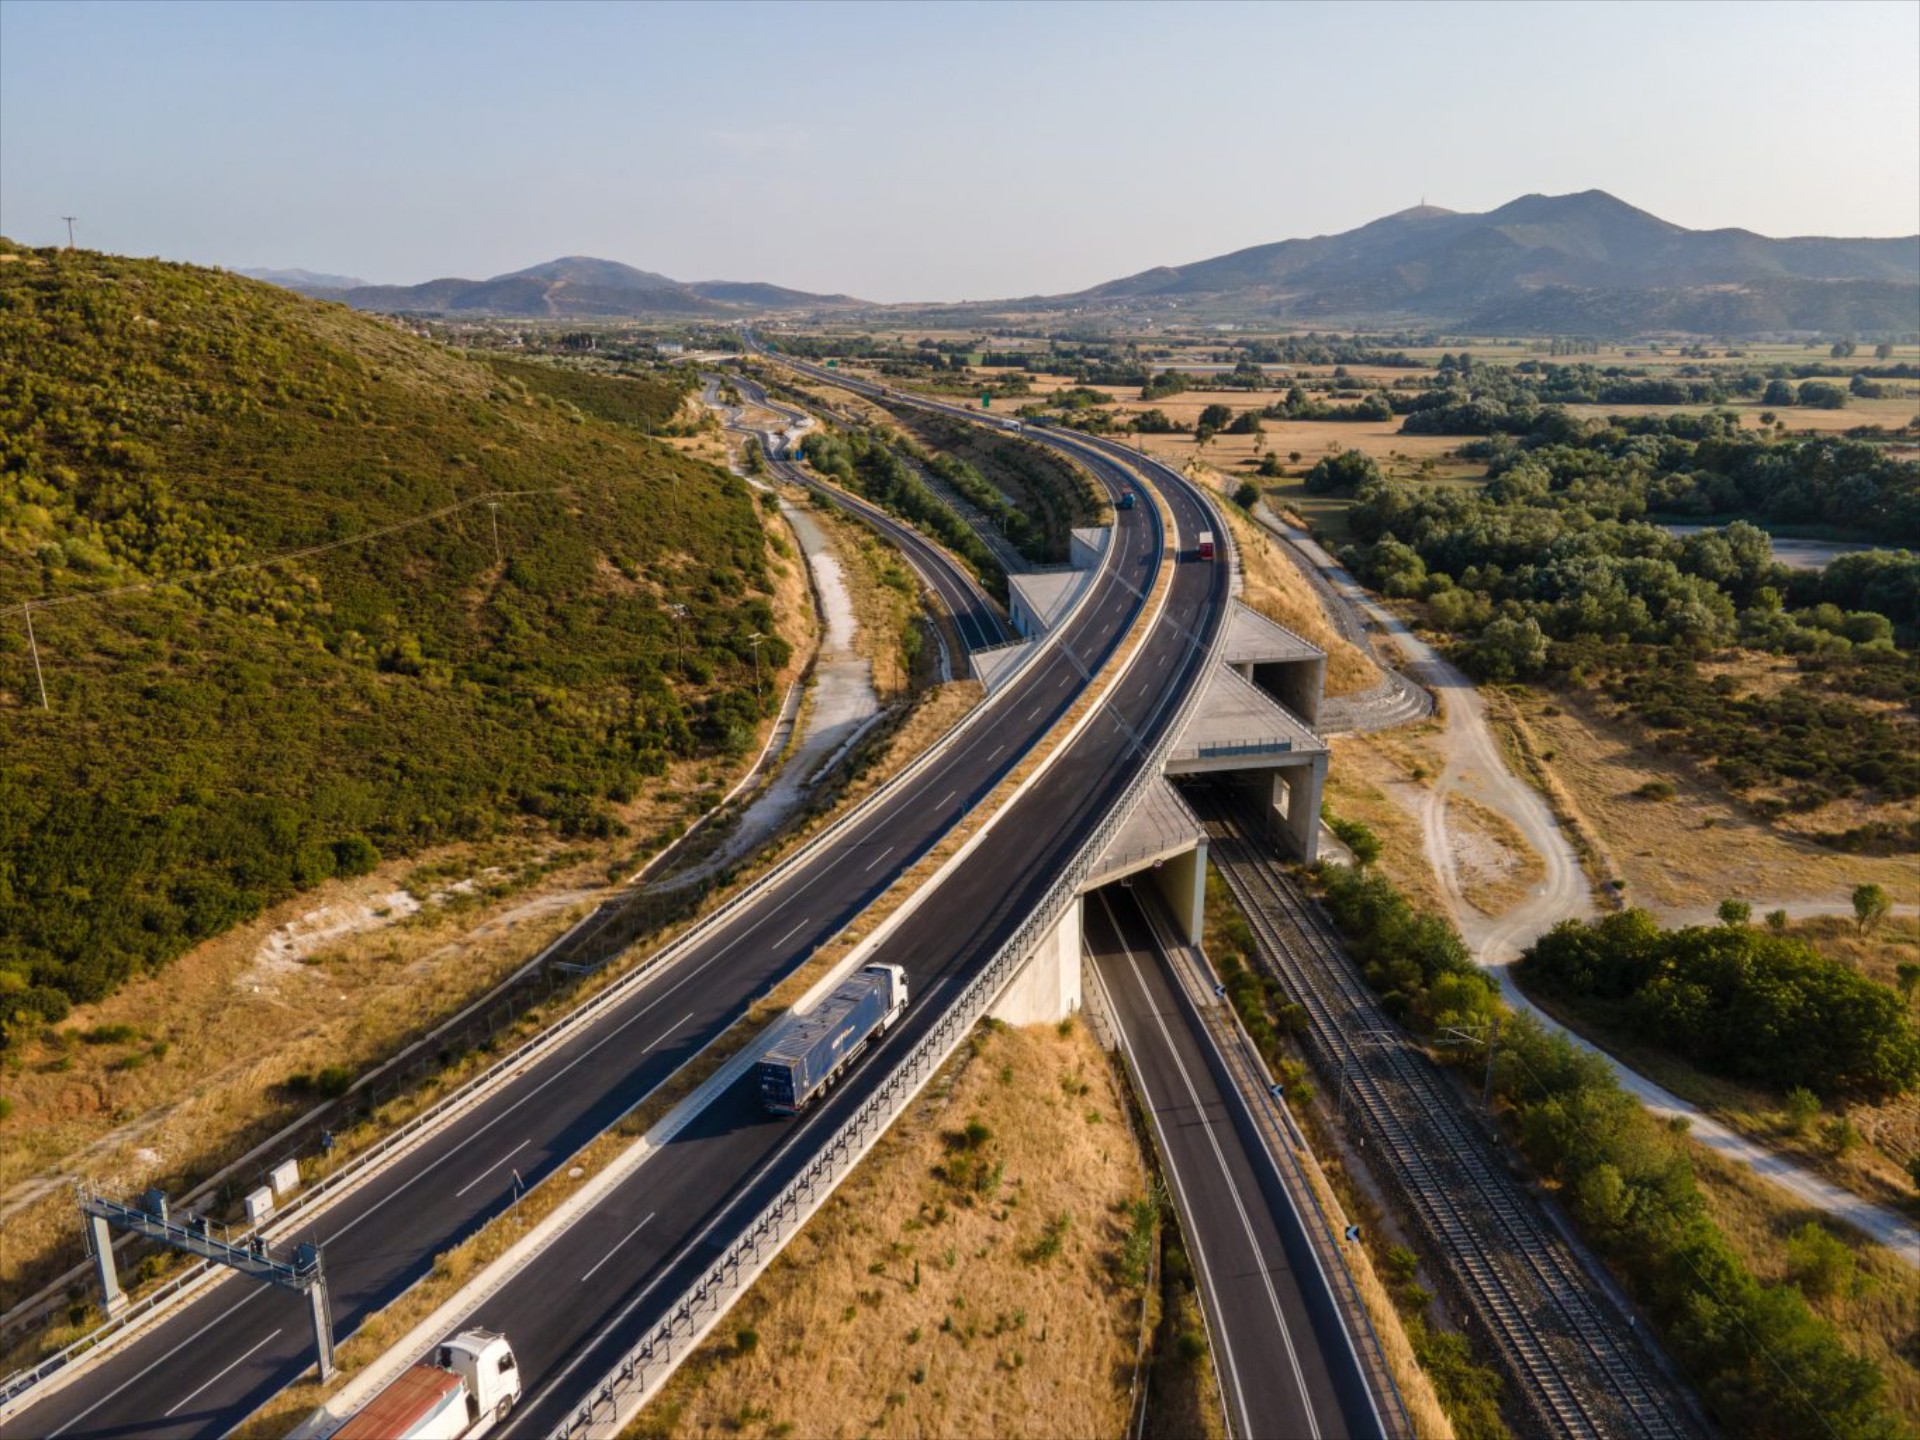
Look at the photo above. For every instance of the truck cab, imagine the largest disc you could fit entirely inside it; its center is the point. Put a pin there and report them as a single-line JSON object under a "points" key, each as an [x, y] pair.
{"points": [[485, 1361]]}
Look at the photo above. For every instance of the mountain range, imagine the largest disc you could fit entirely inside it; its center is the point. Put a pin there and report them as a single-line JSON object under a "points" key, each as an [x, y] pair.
{"points": [[1584, 264], [1557, 263], [576, 287]]}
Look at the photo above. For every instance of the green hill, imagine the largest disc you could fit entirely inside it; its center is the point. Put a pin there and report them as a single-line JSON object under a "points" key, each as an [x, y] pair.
{"points": [[224, 730]]}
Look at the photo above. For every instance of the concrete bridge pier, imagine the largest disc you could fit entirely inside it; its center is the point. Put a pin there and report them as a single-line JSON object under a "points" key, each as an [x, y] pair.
{"points": [[1047, 988], [1289, 796]]}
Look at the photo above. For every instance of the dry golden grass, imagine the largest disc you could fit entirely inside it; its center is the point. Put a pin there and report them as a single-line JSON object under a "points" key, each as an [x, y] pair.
{"points": [[1383, 781], [1526, 755], [1697, 848], [1496, 865], [1874, 1315], [913, 1305], [1274, 586]]}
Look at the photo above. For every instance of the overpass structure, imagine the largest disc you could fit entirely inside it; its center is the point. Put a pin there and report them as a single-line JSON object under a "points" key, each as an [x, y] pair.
{"points": [[1193, 685], [640, 1267]]}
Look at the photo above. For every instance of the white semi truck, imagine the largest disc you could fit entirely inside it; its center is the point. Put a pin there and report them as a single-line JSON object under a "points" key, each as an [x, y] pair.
{"points": [[468, 1387]]}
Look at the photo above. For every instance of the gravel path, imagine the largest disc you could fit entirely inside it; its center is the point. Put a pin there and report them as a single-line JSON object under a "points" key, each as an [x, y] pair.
{"points": [[1475, 766]]}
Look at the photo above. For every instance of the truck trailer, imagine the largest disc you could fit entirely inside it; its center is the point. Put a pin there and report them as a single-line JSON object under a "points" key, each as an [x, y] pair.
{"points": [[812, 1055], [468, 1387]]}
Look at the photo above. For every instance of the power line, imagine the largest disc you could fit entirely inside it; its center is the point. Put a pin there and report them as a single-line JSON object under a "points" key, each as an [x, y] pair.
{"points": [[109, 592], [34, 646]]}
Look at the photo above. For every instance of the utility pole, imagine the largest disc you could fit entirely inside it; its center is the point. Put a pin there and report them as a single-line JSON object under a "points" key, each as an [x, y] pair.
{"points": [[69, 219], [756, 640], [493, 514], [681, 615], [34, 647], [1486, 1087]]}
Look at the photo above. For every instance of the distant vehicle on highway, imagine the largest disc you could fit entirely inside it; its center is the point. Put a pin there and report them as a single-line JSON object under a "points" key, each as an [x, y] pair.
{"points": [[1206, 544], [804, 1065], [469, 1387], [1126, 500]]}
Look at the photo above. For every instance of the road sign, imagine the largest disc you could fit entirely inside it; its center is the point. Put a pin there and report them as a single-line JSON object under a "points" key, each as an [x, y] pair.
{"points": [[986, 400]]}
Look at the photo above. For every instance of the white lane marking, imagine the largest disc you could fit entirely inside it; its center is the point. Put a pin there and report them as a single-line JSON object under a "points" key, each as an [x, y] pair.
{"points": [[944, 798], [791, 933], [668, 1031], [550, 1080], [1246, 1225], [1033, 712], [995, 751], [613, 1247], [491, 1168], [878, 858], [582, 1058], [222, 1375], [140, 1375]]}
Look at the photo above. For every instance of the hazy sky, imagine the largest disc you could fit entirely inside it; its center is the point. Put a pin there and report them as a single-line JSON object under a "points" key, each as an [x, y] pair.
{"points": [[923, 151]]}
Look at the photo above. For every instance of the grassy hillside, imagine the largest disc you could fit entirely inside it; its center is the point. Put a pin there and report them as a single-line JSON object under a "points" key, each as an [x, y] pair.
{"points": [[224, 730]]}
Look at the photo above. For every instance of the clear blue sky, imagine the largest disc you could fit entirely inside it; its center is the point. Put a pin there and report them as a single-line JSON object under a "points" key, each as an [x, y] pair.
{"points": [[923, 151]]}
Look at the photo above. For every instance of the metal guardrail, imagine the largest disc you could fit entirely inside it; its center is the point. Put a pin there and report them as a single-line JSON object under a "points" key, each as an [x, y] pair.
{"points": [[1257, 1088], [620, 1392], [1244, 747], [389, 1147]]}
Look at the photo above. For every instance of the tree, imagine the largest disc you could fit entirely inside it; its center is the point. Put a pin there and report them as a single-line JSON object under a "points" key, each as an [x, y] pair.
{"points": [[1778, 392], [1510, 649], [1777, 921], [1907, 975], [1803, 1108], [1883, 351], [1842, 350], [1215, 418], [1247, 495], [1870, 906], [1342, 474], [1734, 913]]}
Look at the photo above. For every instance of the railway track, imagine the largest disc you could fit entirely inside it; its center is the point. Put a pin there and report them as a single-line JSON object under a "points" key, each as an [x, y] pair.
{"points": [[1575, 1363]]}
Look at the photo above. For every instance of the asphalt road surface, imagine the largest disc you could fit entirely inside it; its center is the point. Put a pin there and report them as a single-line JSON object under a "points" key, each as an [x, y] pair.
{"points": [[1271, 1357], [218, 1358]]}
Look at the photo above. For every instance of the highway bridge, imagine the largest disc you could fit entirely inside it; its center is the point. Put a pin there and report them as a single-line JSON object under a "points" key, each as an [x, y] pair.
{"points": [[214, 1359], [620, 1275]]}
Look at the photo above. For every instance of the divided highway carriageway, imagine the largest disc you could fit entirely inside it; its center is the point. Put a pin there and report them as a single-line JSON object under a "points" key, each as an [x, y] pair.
{"points": [[217, 1358]]}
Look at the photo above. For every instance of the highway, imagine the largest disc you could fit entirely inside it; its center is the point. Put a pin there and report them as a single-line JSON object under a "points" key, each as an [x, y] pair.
{"points": [[1241, 1232], [216, 1359], [974, 617]]}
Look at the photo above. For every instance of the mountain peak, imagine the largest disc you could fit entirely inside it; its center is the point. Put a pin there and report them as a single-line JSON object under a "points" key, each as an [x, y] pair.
{"points": [[1586, 262]]}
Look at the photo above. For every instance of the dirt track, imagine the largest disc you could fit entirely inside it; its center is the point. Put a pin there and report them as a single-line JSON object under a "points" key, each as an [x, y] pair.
{"points": [[1474, 766]]}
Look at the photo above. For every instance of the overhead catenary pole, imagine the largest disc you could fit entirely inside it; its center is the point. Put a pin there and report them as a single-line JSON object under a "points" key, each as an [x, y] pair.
{"points": [[34, 647], [69, 219], [493, 513]]}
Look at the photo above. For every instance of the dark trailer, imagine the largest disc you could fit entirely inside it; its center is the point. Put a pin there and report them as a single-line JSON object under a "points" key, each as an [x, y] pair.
{"points": [[821, 1044]]}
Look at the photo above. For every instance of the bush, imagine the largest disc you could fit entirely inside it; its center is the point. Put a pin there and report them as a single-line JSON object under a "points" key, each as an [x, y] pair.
{"points": [[1342, 474], [1745, 1003]]}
